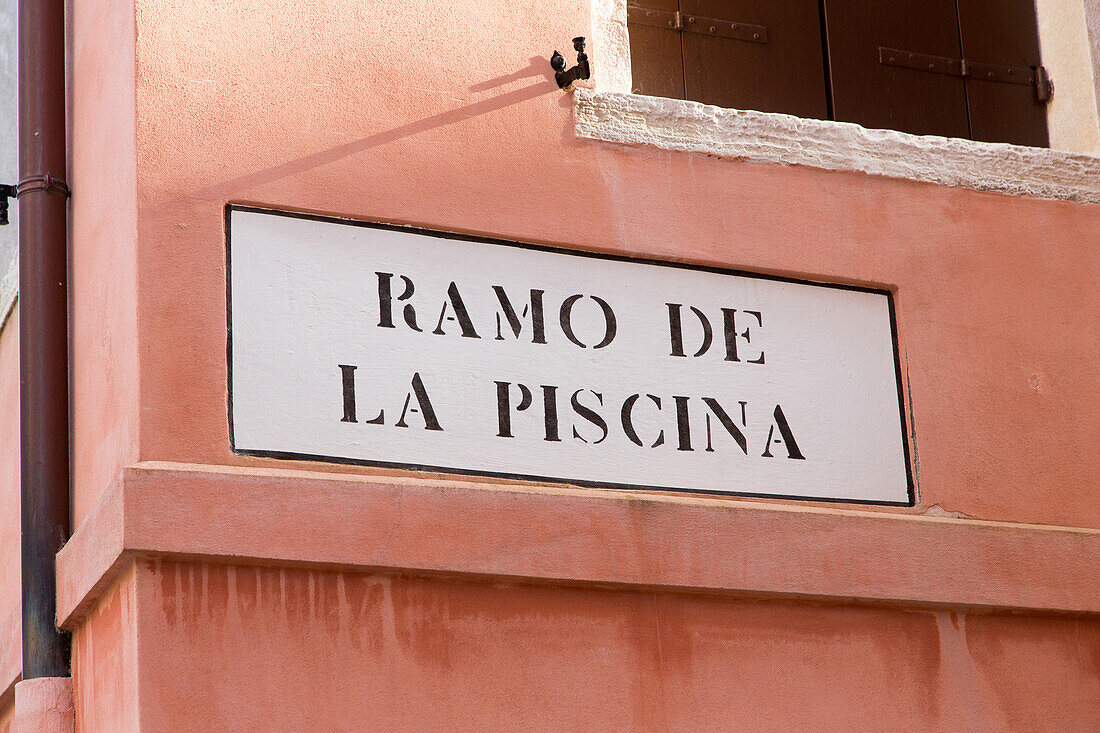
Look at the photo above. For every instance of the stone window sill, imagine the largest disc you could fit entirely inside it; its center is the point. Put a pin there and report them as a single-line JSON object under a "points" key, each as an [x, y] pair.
{"points": [[761, 137]]}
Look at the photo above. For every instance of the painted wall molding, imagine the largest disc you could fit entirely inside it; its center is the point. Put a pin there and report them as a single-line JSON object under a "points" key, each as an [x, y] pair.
{"points": [[761, 137], [569, 536]]}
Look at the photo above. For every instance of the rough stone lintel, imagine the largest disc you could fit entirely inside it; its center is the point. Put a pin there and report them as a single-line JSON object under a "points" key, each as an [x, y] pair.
{"points": [[764, 137]]}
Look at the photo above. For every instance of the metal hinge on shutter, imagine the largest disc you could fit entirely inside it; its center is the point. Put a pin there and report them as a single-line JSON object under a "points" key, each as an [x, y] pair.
{"points": [[675, 20], [1024, 75]]}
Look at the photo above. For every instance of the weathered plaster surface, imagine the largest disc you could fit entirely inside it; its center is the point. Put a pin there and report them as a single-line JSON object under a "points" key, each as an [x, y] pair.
{"points": [[281, 106], [777, 138], [242, 648], [105, 663]]}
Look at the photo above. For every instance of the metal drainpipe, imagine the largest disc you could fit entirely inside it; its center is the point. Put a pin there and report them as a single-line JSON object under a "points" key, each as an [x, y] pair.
{"points": [[43, 330]]}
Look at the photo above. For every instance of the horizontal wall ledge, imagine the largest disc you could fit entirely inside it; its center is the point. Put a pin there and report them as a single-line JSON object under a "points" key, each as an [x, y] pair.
{"points": [[766, 137], [572, 536]]}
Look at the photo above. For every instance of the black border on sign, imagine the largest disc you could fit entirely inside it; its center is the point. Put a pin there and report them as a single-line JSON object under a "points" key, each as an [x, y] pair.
{"points": [[286, 455]]}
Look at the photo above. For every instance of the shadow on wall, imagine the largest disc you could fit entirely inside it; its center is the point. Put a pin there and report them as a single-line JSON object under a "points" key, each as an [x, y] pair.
{"points": [[537, 66]]}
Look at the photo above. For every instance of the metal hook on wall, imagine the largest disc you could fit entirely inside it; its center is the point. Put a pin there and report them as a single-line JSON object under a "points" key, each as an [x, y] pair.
{"points": [[581, 71]]}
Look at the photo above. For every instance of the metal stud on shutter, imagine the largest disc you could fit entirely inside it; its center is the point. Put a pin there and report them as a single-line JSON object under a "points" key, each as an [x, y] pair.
{"points": [[1029, 77], [674, 19]]}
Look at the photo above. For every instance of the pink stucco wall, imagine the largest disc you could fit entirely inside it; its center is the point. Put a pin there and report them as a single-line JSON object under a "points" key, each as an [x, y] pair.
{"points": [[104, 662], [104, 340], [198, 614], [362, 652], [385, 121]]}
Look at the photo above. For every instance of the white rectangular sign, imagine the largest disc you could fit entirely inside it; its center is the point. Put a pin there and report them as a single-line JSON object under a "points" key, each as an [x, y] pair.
{"points": [[383, 345]]}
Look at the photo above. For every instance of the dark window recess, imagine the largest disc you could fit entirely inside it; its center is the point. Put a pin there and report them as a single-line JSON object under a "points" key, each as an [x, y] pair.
{"points": [[959, 68]]}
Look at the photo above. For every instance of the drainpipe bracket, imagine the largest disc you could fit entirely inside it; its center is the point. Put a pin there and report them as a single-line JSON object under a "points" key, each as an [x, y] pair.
{"points": [[46, 182], [30, 184]]}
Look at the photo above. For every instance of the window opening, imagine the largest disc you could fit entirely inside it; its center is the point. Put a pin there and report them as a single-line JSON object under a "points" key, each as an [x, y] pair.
{"points": [[958, 68]]}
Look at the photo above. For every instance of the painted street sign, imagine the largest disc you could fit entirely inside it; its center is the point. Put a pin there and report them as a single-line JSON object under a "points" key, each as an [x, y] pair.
{"points": [[381, 345]]}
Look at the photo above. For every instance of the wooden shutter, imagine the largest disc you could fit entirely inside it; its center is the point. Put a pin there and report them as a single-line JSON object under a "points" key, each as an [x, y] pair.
{"points": [[782, 74], [656, 58], [749, 54], [958, 68], [882, 95], [1001, 34]]}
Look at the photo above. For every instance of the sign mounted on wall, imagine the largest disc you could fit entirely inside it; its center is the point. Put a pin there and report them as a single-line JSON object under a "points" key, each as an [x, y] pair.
{"points": [[382, 345]]}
